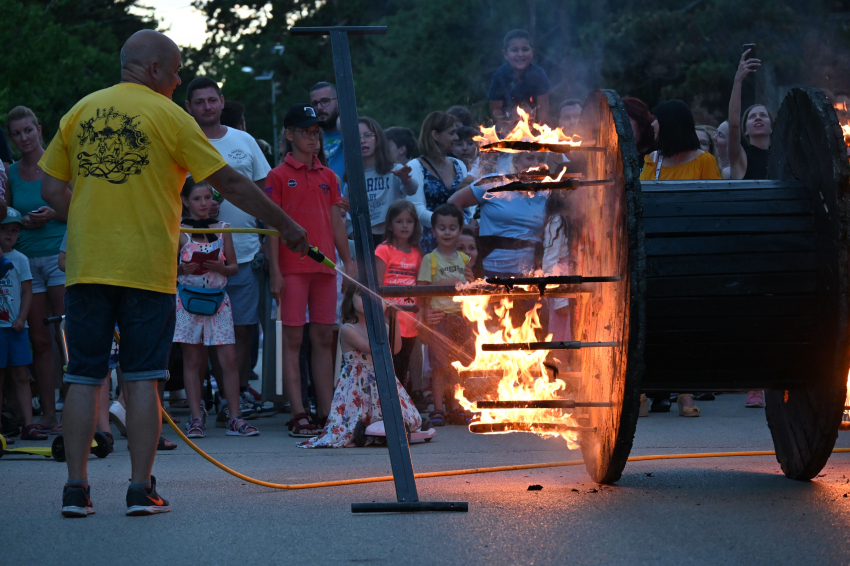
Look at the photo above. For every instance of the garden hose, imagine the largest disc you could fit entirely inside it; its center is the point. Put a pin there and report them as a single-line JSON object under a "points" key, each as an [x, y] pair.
{"points": [[355, 481]]}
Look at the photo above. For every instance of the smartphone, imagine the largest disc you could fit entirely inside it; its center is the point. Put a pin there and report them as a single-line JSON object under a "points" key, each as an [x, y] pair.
{"points": [[34, 211], [752, 48]]}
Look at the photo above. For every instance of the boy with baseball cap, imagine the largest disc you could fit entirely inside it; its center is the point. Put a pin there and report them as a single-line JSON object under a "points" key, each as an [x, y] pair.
{"points": [[308, 192], [15, 298]]}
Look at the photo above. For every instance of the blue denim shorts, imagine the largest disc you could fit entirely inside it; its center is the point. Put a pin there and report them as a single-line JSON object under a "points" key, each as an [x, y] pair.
{"points": [[14, 347], [146, 319]]}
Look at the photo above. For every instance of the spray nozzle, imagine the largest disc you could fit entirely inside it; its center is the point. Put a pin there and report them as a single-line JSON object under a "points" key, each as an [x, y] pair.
{"points": [[314, 254]]}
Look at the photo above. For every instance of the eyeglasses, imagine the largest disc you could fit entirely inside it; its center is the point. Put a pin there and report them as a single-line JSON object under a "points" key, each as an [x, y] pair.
{"points": [[323, 102], [367, 136], [309, 134]]}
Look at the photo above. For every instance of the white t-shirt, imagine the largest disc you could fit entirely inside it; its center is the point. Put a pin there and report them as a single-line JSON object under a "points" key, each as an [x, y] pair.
{"points": [[10, 287], [241, 152]]}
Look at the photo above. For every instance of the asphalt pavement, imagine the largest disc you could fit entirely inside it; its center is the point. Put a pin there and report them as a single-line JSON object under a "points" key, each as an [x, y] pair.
{"points": [[707, 511]]}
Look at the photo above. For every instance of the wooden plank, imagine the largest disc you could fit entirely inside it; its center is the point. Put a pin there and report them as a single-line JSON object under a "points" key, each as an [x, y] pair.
{"points": [[805, 282], [722, 379], [724, 185], [730, 244], [754, 324], [661, 266], [721, 306], [734, 224], [724, 196], [654, 209], [729, 356]]}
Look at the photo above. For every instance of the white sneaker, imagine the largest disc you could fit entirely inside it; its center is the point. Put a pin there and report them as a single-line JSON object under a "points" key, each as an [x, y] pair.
{"points": [[118, 417]]}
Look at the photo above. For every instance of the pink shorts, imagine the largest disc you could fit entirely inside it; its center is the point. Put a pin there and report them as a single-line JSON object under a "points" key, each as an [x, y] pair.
{"points": [[314, 290]]}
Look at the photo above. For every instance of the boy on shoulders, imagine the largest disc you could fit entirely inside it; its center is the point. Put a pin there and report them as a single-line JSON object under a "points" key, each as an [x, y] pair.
{"points": [[518, 80]]}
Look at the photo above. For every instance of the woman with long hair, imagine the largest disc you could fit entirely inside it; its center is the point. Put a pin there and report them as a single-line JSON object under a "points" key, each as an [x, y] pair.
{"points": [[437, 175], [641, 119], [44, 229], [748, 160]]}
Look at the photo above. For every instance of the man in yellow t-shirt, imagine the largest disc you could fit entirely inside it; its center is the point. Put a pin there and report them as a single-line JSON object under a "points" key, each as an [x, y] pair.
{"points": [[126, 151]]}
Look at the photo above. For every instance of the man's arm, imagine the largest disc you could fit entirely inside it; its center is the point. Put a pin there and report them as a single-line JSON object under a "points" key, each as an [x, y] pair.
{"points": [[246, 195], [57, 194]]}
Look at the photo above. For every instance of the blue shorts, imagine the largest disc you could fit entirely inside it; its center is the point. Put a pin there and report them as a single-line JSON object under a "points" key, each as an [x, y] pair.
{"points": [[14, 347], [244, 292], [146, 319]]}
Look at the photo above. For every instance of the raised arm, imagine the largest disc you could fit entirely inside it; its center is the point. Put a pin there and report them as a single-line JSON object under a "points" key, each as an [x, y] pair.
{"points": [[737, 157], [244, 194], [463, 198], [418, 198]]}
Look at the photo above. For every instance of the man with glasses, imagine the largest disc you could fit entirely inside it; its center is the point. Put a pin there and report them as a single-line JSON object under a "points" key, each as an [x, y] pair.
{"points": [[323, 99], [309, 192]]}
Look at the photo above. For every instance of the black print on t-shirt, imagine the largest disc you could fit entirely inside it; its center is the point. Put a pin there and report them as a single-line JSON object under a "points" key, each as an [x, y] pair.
{"points": [[237, 155], [118, 147]]}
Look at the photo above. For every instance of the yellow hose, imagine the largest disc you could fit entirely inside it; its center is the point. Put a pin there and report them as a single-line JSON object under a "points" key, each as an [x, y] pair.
{"points": [[355, 481], [230, 231]]}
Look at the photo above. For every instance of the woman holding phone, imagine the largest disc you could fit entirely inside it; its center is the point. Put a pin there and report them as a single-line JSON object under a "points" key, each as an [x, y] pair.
{"points": [[40, 240]]}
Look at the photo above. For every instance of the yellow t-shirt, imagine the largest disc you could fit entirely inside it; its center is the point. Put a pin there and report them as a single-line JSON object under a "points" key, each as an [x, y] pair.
{"points": [[446, 268], [704, 166], [126, 150]]}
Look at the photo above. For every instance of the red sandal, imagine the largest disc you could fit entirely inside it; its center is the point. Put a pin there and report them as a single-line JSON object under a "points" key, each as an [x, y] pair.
{"points": [[298, 430], [32, 432]]}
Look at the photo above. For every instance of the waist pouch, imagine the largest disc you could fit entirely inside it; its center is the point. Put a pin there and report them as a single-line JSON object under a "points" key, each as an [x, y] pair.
{"points": [[200, 301]]}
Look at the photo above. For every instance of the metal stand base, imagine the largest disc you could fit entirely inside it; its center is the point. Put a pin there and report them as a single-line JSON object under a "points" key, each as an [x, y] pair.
{"points": [[411, 507]]}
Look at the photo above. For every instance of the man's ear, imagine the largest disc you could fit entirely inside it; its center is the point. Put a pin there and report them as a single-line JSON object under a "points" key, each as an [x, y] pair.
{"points": [[188, 107]]}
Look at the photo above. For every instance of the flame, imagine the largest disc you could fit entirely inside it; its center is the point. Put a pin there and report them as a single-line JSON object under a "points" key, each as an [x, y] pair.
{"points": [[523, 373], [846, 129], [845, 416], [523, 132]]}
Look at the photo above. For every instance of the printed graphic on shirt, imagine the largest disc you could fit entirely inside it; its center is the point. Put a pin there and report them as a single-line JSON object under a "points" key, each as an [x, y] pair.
{"points": [[118, 147], [292, 183], [325, 188], [375, 184], [237, 155], [6, 299]]}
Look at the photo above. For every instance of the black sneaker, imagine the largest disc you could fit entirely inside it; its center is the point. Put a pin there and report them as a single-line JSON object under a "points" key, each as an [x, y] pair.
{"points": [[76, 501], [145, 501]]}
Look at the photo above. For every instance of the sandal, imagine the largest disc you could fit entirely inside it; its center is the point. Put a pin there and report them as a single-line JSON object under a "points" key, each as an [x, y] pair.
{"points": [[687, 410], [456, 417], [437, 418], [33, 432], [238, 427], [195, 429], [165, 444], [298, 430]]}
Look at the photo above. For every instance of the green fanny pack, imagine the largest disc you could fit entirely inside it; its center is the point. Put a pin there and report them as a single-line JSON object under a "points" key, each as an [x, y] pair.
{"points": [[200, 301]]}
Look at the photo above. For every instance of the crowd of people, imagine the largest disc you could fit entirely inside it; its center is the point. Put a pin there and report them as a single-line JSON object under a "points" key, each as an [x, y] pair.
{"points": [[431, 224]]}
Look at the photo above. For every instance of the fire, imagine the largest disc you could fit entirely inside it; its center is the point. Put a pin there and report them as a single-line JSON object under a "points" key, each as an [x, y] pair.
{"points": [[846, 129], [523, 132], [845, 417], [523, 373]]}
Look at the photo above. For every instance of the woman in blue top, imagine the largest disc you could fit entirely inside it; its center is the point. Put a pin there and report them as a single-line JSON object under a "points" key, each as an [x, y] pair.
{"points": [[40, 242], [510, 232], [436, 175]]}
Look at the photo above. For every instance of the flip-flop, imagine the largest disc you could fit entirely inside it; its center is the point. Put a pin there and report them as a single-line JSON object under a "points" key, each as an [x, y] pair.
{"points": [[165, 444]]}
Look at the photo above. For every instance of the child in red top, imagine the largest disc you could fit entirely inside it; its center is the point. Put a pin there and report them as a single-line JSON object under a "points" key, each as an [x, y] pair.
{"points": [[397, 261], [308, 193]]}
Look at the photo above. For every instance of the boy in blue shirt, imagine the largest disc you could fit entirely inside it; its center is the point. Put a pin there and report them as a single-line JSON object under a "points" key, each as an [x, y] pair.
{"points": [[15, 298], [518, 81]]}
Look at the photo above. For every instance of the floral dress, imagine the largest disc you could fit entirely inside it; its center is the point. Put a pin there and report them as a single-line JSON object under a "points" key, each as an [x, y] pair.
{"points": [[214, 330], [356, 399], [436, 194]]}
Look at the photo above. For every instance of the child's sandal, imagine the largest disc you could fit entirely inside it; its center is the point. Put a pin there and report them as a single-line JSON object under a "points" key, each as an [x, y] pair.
{"points": [[437, 418]]}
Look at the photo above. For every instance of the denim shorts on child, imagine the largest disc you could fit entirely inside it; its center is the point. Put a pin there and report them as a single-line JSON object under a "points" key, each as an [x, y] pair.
{"points": [[14, 347], [244, 292], [451, 340], [146, 319], [46, 273]]}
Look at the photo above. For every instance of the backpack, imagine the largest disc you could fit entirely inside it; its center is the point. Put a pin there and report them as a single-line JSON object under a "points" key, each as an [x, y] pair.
{"points": [[434, 262]]}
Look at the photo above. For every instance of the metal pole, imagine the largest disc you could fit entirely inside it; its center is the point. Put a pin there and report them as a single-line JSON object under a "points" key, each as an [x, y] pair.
{"points": [[405, 483]]}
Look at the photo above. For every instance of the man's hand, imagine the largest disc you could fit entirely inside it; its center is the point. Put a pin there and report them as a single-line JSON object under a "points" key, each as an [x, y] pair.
{"points": [[19, 324], [294, 237], [403, 173]]}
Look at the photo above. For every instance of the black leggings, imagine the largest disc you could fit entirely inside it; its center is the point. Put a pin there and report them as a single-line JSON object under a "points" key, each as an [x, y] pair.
{"points": [[401, 361]]}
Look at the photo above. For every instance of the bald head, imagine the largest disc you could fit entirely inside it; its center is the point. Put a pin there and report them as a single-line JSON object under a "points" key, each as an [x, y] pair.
{"points": [[148, 46], [152, 59]]}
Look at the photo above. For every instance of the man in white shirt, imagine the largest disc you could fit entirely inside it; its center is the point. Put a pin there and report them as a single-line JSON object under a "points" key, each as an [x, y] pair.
{"points": [[205, 103]]}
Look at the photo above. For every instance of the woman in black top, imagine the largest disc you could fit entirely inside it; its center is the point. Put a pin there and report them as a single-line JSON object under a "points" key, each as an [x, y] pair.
{"points": [[750, 161]]}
